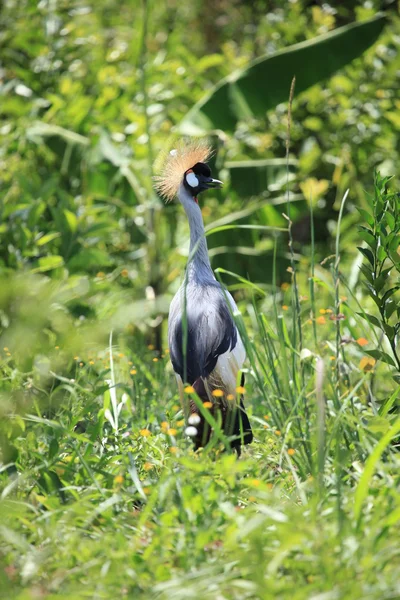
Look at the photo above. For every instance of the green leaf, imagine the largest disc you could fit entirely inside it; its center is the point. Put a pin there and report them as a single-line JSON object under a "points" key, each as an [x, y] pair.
{"points": [[48, 263], [382, 279], [371, 319], [380, 355], [390, 307], [368, 238], [381, 253], [250, 92], [49, 237], [368, 254], [394, 244], [389, 330], [390, 220], [395, 257], [389, 293], [366, 271], [366, 216], [378, 424], [373, 294], [71, 220]]}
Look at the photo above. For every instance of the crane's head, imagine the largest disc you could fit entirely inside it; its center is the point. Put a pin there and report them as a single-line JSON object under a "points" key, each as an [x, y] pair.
{"points": [[198, 178], [187, 166]]}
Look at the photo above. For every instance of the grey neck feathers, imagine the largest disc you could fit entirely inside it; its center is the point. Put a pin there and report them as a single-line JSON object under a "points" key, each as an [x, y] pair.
{"points": [[199, 263]]}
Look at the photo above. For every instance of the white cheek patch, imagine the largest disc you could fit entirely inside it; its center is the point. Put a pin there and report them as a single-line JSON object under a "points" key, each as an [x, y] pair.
{"points": [[192, 179]]}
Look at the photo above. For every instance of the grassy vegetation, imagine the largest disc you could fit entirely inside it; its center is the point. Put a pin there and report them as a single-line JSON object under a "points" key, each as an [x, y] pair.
{"points": [[101, 494], [106, 497]]}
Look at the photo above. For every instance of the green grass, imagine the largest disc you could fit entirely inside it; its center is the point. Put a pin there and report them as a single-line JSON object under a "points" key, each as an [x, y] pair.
{"points": [[103, 496]]}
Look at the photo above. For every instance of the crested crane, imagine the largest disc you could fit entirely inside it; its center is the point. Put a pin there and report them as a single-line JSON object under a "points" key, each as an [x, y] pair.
{"points": [[204, 343]]}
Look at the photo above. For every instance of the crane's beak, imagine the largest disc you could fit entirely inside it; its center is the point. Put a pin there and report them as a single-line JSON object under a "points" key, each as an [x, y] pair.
{"points": [[209, 182]]}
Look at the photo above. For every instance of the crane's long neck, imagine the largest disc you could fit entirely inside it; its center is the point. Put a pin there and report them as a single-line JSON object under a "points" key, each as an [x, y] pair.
{"points": [[199, 261]]}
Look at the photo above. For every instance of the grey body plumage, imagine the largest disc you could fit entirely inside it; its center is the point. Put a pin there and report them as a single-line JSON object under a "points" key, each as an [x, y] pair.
{"points": [[210, 328], [201, 321]]}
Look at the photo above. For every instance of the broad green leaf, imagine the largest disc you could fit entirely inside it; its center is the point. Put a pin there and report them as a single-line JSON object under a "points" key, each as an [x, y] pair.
{"points": [[373, 294], [48, 238], [390, 220], [366, 271], [380, 355], [71, 220], [368, 254], [390, 307], [371, 319], [250, 92], [48, 263], [378, 424], [394, 244], [389, 293], [382, 279], [368, 238], [381, 253], [366, 216], [389, 330]]}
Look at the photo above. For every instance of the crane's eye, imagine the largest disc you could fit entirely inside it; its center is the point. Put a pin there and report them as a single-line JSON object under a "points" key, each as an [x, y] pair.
{"points": [[191, 179]]}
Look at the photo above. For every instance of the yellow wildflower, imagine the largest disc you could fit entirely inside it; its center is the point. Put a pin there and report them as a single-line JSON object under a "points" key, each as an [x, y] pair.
{"points": [[367, 363]]}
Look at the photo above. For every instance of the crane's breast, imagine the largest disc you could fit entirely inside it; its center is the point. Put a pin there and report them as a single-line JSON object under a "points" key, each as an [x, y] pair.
{"points": [[202, 333]]}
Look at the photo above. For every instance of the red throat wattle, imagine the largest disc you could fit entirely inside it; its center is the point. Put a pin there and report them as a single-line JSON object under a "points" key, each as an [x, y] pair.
{"points": [[195, 199]]}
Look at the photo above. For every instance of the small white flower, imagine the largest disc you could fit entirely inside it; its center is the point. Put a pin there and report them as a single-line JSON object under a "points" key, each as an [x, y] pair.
{"points": [[22, 90], [194, 420], [306, 354], [191, 431]]}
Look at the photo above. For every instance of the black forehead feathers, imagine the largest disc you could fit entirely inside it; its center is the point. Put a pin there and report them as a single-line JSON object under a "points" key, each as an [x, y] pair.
{"points": [[201, 169]]}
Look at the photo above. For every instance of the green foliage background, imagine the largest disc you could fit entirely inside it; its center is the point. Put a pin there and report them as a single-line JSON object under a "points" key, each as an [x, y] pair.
{"points": [[101, 494]]}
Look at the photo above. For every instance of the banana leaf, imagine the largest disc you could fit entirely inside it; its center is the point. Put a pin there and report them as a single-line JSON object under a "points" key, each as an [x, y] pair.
{"points": [[250, 92]]}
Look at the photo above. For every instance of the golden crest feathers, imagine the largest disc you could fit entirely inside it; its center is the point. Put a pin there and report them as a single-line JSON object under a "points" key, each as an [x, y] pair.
{"points": [[177, 162]]}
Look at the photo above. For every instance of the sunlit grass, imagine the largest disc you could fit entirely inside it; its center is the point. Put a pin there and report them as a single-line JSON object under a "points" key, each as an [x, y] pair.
{"points": [[102, 493]]}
